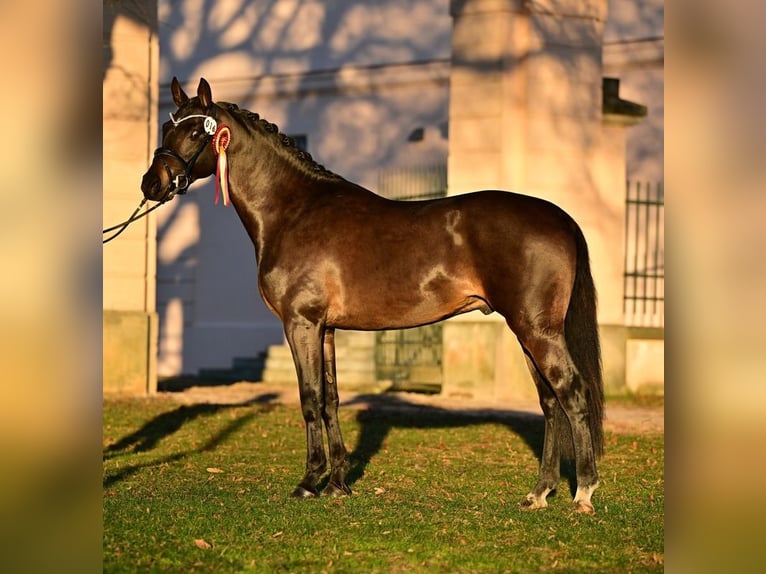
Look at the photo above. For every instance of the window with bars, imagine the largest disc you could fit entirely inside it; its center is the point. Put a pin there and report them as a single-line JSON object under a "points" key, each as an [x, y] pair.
{"points": [[644, 282]]}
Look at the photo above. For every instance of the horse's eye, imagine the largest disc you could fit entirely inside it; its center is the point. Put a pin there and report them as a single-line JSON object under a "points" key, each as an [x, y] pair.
{"points": [[195, 134]]}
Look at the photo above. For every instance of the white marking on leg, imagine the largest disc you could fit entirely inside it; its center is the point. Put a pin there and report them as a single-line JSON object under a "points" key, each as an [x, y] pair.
{"points": [[582, 499], [533, 502]]}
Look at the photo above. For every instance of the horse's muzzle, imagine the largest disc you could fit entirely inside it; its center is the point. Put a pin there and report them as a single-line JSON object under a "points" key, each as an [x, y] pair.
{"points": [[150, 186], [154, 189]]}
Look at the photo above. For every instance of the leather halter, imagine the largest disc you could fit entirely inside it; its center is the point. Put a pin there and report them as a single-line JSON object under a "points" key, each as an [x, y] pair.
{"points": [[181, 182]]}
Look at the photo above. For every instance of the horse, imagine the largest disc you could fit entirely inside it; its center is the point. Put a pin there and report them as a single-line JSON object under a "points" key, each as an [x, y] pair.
{"points": [[333, 255]]}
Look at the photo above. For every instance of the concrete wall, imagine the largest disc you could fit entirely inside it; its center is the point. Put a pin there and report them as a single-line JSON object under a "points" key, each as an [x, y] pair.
{"points": [[634, 52], [130, 132], [236, 40]]}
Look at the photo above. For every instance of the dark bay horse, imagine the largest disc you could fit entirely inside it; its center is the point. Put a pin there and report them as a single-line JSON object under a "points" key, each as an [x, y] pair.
{"points": [[333, 255]]}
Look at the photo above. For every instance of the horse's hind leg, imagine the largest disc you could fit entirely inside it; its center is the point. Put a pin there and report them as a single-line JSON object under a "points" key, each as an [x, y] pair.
{"points": [[551, 357], [338, 454], [550, 468]]}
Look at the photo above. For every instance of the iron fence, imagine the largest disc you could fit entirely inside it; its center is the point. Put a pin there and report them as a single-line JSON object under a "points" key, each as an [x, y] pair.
{"points": [[407, 183], [644, 282]]}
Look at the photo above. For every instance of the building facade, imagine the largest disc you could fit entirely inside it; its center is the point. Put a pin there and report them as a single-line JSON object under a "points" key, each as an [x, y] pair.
{"points": [[372, 88]]}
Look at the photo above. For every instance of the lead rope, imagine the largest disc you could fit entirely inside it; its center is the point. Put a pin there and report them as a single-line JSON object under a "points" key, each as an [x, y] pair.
{"points": [[124, 225]]}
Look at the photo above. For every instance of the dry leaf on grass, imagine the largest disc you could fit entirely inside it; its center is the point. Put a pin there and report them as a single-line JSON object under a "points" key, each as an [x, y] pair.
{"points": [[213, 469], [200, 543]]}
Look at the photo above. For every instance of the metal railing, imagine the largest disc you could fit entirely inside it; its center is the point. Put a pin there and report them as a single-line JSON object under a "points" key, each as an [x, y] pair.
{"points": [[408, 183], [644, 281]]}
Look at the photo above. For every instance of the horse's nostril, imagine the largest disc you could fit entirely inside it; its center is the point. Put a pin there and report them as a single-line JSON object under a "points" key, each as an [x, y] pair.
{"points": [[150, 185]]}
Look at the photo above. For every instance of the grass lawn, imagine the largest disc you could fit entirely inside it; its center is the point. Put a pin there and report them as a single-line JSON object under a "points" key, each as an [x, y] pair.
{"points": [[205, 488]]}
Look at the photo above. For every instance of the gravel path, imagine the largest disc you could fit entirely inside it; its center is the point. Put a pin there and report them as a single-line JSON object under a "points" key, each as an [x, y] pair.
{"points": [[621, 419]]}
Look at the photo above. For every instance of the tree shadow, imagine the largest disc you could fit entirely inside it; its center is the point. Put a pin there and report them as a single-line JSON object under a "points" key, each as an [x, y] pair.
{"points": [[181, 383], [165, 424], [389, 412]]}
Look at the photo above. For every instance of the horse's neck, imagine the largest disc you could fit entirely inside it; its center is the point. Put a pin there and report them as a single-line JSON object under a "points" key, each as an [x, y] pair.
{"points": [[268, 180], [267, 188]]}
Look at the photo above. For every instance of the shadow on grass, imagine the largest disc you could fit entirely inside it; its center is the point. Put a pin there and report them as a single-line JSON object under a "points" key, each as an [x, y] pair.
{"points": [[182, 383], [389, 412], [166, 424], [384, 413]]}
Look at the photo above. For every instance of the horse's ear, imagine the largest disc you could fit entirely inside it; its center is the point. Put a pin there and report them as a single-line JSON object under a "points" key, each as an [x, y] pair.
{"points": [[179, 97], [203, 92]]}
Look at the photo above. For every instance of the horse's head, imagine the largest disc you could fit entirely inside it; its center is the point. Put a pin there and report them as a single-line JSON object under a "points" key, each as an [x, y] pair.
{"points": [[186, 154]]}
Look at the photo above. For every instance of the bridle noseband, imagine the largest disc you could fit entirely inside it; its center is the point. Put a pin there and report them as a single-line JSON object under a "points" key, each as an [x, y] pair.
{"points": [[180, 183]]}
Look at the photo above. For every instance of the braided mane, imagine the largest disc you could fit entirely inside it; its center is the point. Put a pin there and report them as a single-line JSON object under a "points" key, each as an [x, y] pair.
{"points": [[303, 159]]}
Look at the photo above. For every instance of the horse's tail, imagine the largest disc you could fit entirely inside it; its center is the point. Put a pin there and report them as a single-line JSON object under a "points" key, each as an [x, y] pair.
{"points": [[582, 339]]}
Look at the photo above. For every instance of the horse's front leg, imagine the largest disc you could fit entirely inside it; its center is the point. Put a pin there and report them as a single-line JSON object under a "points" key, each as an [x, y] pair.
{"points": [[338, 454], [305, 340]]}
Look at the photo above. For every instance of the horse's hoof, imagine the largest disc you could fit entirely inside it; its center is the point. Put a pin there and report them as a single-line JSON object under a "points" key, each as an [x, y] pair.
{"points": [[584, 507], [302, 492], [335, 491], [532, 502], [582, 501]]}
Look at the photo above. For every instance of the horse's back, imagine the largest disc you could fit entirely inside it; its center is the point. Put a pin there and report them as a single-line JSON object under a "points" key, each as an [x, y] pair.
{"points": [[507, 208], [478, 235], [505, 227]]}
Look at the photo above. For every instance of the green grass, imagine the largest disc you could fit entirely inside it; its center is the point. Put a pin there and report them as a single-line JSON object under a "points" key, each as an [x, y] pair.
{"points": [[637, 400], [433, 492]]}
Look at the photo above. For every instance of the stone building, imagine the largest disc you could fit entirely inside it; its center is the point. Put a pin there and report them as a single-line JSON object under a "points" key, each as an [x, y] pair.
{"points": [[400, 97]]}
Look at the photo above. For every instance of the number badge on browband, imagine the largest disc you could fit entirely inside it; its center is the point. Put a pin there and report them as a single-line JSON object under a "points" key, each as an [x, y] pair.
{"points": [[210, 125]]}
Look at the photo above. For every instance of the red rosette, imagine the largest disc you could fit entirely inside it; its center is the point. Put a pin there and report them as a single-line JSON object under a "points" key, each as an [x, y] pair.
{"points": [[221, 140]]}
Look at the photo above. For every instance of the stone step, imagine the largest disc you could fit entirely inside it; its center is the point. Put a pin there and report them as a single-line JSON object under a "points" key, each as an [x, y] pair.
{"points": [[355, 366], [278, 351], [279, 357], [341, 353], [229, 375], [279, 376], [287, 373], [279, 364], [367, 367], [242, 369]]}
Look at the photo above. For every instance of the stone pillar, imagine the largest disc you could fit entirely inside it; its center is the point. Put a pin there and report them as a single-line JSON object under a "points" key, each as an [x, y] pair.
{"points": [[130, 87], [526, 116]]}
